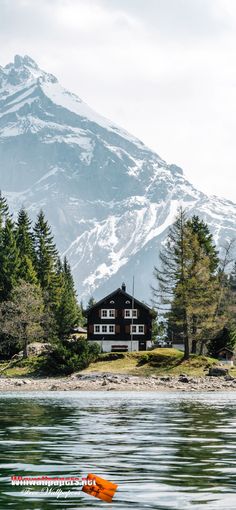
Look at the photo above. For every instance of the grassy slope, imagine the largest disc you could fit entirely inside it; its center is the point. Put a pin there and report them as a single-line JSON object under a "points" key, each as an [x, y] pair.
{"points": [[158, 362]]}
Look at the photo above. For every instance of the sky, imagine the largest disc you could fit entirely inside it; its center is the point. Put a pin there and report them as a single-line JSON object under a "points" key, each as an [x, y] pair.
{"points": [[165, 70]]}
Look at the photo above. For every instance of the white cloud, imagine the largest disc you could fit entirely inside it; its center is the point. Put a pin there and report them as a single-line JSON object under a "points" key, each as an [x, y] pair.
{"points": [[163, 69]]}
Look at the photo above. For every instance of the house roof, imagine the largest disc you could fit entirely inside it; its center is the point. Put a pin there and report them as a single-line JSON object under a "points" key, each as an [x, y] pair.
{"points": [[225, 349], [121, 291]]}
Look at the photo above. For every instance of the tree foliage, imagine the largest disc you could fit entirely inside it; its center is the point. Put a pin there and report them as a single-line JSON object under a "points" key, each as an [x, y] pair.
{"points": [[31, 271], [188, 285]]}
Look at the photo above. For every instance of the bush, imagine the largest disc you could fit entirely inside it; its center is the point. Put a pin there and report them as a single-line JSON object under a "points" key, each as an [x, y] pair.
{"points": [[68, 356], [110, 356], [161, 357]]}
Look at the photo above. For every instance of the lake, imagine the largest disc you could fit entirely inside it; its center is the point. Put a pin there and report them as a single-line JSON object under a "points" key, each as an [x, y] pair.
{"points": [[165, 450]]}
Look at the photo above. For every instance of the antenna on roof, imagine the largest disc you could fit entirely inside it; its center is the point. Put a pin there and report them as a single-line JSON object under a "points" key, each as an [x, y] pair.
{"points": [[132, 316]]}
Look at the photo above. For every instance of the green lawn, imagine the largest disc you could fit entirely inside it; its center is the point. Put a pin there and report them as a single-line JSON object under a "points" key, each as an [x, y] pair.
{"points": [[157, 362]]}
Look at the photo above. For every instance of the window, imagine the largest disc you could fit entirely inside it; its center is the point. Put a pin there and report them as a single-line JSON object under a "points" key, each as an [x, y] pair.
{"points": [[108, 313], [104, 329], [112, 302], [128, 313], [127, 302], [137, 329]]}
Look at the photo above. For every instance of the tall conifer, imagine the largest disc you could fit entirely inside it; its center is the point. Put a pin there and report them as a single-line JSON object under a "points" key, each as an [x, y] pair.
{"points": [[46, 257], [9, 260], [24, 241]]}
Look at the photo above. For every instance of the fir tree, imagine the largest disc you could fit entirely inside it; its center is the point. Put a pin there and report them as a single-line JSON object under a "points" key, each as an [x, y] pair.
{"points": [[187, 290], [24, 241], [91, 302], [9, 261], [46, 258], [225, 338], [68, 312], [205, 240], [4, 211]]}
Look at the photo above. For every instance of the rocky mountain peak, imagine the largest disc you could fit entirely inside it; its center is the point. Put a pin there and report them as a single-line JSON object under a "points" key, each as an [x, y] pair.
{"points": [[20, 61]]}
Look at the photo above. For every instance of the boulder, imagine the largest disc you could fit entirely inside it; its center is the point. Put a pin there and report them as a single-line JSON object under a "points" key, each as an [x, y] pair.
{"points": [[218, 372], [183, 378], [229, 378]]}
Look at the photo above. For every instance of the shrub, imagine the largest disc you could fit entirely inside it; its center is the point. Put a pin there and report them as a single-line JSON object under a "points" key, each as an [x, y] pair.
{"points": [[110, 356], [68, 356]]}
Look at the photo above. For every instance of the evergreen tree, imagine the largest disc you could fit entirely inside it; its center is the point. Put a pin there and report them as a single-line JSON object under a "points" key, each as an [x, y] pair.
{"points": [[225, 338], [46, 259], [24, 241], [9, 261], [205, 240], [91, 302], [187, 290], [68, 312], [4, 211]]}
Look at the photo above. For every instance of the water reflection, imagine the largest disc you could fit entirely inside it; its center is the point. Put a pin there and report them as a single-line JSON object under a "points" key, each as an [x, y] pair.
{"points": [[167, 451]]}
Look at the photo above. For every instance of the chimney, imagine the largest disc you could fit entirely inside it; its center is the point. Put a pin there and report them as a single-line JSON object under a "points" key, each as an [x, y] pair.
{"points": [[123, 287]]}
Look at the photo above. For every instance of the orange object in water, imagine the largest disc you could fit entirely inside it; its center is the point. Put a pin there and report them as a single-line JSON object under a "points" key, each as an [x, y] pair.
{"points": [[102, 489]]}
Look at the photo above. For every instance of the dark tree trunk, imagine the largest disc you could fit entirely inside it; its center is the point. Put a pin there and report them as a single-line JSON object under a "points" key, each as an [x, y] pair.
{"points": [[194, 347], [25, 348]]}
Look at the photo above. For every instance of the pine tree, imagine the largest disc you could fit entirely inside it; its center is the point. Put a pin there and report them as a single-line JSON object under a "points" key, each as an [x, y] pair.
{"points": [[24, 241], [187, 290], [91, 302], [4, 211], [225, 338], [68, 313], [9, 261], [46, 258], [205, 240]]}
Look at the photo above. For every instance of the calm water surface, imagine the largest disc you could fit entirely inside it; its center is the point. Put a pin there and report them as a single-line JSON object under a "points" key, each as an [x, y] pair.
{"points": [[166, 451]]}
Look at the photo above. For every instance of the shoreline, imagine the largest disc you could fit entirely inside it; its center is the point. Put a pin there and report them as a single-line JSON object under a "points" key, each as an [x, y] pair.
{"points": [[118, 382]]}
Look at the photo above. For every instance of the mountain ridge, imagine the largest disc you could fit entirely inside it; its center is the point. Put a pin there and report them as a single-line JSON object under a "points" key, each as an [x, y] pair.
{"points": [[109, 198]]}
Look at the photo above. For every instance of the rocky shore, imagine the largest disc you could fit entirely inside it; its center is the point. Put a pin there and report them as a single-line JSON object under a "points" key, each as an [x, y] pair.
{"points": [[119, 382]]}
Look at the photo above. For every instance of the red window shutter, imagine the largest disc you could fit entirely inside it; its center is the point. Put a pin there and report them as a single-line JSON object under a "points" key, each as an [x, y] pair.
{"points": [[91, 328], [127, 328], [117, 328], [116, 313], [100, 313], [145, 328], [123, 313]]}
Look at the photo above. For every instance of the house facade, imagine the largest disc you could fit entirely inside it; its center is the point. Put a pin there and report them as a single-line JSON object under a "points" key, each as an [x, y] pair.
{"points": [[119, 322]]}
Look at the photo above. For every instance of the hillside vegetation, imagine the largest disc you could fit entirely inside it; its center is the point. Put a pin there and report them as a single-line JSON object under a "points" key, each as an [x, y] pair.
{"points": [[160, 361]]}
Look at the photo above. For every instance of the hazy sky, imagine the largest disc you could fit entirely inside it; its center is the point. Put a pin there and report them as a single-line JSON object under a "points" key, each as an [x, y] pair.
{"points": [[163, 69]]}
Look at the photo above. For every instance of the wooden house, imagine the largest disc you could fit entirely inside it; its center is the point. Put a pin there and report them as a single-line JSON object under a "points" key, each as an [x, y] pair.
{"points": [[226, 356], [119, 322]]}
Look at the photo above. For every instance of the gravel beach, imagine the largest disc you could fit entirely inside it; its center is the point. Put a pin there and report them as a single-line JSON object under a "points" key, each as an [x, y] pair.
{"points": [[120, 382]]}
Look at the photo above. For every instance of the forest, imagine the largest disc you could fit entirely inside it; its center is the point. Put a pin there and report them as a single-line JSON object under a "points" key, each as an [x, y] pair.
{"points": [[38, 300]]}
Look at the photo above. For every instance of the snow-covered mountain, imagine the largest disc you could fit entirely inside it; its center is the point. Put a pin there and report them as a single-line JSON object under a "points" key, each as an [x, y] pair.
{"points": [[109, 198]]}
